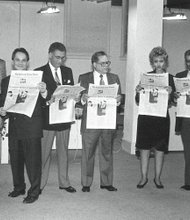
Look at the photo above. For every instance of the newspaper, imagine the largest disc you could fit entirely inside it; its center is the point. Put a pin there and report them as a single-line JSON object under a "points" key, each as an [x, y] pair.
{"points": [[182, 84], [183, 102], [62, 109], [102, 106], [68, 90], [154, 97], [22, 91]]}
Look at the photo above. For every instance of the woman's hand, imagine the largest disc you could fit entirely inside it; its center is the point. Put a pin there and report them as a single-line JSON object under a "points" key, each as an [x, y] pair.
{"points": [[138, 88]]}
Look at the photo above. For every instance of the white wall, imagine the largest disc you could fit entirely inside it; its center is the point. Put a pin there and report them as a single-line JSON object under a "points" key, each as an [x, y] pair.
{"points": [[21, 26]]}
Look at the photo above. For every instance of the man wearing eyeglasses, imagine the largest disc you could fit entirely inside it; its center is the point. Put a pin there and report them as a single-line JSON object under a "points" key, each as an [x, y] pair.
{"points": [[55, 74], [91, 137]]}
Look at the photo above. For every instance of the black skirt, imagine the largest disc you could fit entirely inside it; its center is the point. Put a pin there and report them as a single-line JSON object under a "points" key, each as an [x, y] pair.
{"points": [[153, 132]]}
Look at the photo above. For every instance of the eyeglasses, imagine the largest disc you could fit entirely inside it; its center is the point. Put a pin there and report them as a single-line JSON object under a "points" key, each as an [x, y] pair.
{"points": [[104, 64], [59, 58]]}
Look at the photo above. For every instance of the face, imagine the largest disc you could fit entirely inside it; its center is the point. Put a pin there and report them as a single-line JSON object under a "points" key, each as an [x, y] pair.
{"points": [[20, 61], [57, 58], [102, 66], [159, 64], [187, 62]]}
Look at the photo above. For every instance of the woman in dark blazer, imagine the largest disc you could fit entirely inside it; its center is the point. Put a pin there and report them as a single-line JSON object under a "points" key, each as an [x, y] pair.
{"points": [[153, 132]]}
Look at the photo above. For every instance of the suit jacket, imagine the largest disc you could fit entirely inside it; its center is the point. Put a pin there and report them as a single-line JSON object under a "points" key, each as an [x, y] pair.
{"points": [[85, 80], [179, 120], [22, 126], [67, 79]]}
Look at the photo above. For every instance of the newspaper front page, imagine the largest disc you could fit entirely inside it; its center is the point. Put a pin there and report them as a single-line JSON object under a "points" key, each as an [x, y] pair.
{"points": [[22, 91], [154, 97], [183, 102], [62, 109], [102, 106]]}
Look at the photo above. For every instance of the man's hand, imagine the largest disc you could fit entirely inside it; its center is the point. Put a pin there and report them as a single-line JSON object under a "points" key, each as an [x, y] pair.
{"points": [[42, 87], [168, 89], [77, 98], [118, 99], [3, 112], [84, 98]]}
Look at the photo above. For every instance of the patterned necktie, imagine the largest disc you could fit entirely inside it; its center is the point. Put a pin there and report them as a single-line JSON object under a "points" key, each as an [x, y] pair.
{"points": [[57, 78], [101, 80]]}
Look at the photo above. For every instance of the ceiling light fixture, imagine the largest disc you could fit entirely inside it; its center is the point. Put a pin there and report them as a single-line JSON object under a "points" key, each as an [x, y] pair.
{"points": [[48, 8]]}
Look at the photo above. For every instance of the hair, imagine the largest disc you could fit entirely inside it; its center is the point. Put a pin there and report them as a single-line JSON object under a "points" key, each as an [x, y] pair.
{"points": [[96, 55], [156, 52], [187, 53], [57, 46], [21, 50]]}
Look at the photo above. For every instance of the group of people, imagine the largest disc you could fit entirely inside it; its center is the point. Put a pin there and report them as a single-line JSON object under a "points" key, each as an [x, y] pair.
{"points": [[153, 131], [30, 139]]}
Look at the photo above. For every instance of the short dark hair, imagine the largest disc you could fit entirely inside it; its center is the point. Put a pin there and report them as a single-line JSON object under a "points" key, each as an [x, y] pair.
{"points": [[22, 50], [95, 56], [57, 46], [187, 53]]}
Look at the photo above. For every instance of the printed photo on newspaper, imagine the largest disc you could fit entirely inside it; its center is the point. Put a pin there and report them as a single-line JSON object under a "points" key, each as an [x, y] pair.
{"points": [[22, 91], [62, 105], [153, 96], [183, 102]]}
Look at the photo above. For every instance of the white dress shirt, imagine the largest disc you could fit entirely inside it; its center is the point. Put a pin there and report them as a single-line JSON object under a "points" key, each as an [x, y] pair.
{"points": [[97, 78], [58, 72]]}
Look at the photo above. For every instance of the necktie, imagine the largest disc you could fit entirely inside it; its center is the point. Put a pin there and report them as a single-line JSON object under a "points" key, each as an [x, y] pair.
{"points": [[101, 80], [57, 78]]}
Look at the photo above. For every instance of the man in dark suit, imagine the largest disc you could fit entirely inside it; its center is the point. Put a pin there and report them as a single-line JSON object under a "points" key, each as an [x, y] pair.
{"points": [[24, 136], [183, 128], [91, 137], [55, 74]]}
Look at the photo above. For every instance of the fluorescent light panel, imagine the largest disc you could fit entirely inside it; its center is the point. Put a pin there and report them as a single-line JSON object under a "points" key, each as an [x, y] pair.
{"points": [[49, 10], [175, 16]]}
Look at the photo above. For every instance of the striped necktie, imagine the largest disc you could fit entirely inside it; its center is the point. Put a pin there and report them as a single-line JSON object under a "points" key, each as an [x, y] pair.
{"points": [[57, 80], [101, 80]]}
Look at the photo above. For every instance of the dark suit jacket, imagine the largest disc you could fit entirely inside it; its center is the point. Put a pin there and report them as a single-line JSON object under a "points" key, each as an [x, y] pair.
{"points": [[85, 80], [179, 120], [67, 79], [22, 126]]}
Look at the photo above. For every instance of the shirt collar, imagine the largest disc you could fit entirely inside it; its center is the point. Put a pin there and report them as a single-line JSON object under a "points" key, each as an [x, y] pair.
{"points": [[53, 68]]}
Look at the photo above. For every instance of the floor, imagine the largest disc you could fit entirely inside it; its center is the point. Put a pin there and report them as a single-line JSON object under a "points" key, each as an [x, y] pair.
{"points": [[127, 203]]}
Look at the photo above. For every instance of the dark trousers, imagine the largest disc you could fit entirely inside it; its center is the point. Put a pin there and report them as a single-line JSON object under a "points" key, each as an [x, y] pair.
{"points": [[26, 152], [104, 139], [185, 136]]}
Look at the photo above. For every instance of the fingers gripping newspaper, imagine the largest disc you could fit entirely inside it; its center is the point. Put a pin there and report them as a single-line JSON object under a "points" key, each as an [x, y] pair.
{"points": [[22, 91], [153, 96], [183, 102], [101, 106], [62, 104]]}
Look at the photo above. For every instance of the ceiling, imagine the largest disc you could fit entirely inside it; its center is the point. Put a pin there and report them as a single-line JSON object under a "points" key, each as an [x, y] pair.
{"points": [[56, 1], [183, 4]]}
